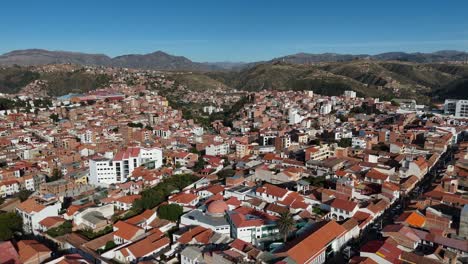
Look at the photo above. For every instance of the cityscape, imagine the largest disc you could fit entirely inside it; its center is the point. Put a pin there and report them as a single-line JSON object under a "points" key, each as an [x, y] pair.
{"points": [[320, 157]]}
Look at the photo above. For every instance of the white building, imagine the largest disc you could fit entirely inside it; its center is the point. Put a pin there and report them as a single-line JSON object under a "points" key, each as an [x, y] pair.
{"points": [[358, 142], [350, 94], [213, 218], [33, 212], [325, 109], [217, 149], [105, 170], [458, 108], [294, 116]]}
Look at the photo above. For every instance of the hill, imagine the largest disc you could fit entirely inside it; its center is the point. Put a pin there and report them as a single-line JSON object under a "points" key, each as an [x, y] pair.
{"points": [[386, 79], [160, 60], [156, 61]]}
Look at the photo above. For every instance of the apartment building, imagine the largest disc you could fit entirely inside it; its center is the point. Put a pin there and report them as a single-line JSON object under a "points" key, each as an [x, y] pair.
{"points": [[106, 170]]}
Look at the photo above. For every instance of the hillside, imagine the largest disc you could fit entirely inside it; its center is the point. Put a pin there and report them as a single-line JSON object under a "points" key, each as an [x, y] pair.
{"points": [[156, 61], [385, 79], [14, 79]]}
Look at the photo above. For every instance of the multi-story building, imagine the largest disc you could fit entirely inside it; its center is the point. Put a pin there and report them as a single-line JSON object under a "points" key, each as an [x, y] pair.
{"points": [[106, 170], [217, 149], [458, 108], [349, 94], [34, 211]]}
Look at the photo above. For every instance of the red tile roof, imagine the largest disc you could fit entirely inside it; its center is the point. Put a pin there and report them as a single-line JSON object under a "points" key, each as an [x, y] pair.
{"points": [[126, 230], [272, 190], [8, 253], [348, 206], [306, 249]]}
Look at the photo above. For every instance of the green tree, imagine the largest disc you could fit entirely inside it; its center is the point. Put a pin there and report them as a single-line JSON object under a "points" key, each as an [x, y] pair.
{"points": [[23, 195], [56, 175], [170, 212], [285, 224], [55, 117], [199, 165], [9, 224], [345, 142]]}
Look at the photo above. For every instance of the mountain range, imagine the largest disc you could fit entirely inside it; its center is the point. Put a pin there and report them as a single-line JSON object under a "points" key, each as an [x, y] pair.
{"points": [[162, 61]]}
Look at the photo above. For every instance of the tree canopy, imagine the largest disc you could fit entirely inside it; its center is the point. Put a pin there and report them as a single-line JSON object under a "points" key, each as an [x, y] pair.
{"points": [[170, 212], [9, 224]]}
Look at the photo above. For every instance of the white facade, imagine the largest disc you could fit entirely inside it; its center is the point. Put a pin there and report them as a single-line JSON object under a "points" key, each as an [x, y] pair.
{"points": [[105, 171], [458, 108], [358, 142], [294, 116], [350, 94], [217, 150], [325, 109], [31, 219]]}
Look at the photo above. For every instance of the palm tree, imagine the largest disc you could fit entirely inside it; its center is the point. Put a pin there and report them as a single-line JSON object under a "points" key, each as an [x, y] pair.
{"points": [[285, 224]]}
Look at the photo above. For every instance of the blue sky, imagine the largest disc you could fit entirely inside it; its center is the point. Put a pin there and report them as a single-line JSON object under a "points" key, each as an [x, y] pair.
{"points": [[234, 30]]}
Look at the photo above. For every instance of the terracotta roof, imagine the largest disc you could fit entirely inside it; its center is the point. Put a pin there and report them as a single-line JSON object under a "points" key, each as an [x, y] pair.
{"points": [[8, 253], [28, 249], [272, 190], [385, 250], [128, 199], [305, 249], [348, 206], [183, 198], [138, 219], [199, 233], [147, 246], [31, 205], [51, 221], [377, 175], [414, 218], [126, 154], [126, 231]]}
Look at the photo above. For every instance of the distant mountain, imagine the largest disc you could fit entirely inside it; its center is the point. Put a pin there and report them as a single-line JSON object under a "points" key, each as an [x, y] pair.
{"points": [[439, 56], [307, 58], [157, 60], [32, 57], [162, 61]]}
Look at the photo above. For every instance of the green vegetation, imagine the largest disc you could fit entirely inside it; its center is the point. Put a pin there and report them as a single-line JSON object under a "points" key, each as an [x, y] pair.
{"points": [[365, 109], [285, 225], [318, 181], [131, 124], [56, 175], [60, 83], [55, 117], [152, 197], [345, 142], [23, 195], [9, 224], [65, 228], [198, 81], [226, 173], [170, 212], [6, 104], [109, 245], [90, 234], [14, 78]]}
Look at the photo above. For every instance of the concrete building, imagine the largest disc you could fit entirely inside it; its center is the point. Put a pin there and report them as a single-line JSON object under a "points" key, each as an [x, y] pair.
{"points": [[34, 211], [458, 108], [106, 170], [463, 231]]}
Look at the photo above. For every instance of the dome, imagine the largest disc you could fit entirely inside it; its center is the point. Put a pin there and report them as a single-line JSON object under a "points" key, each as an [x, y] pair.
{"points": [[217, 208]]}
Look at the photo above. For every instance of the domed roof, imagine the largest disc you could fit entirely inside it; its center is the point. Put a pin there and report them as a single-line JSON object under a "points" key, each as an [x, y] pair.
{"points": [[217, 207]]}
